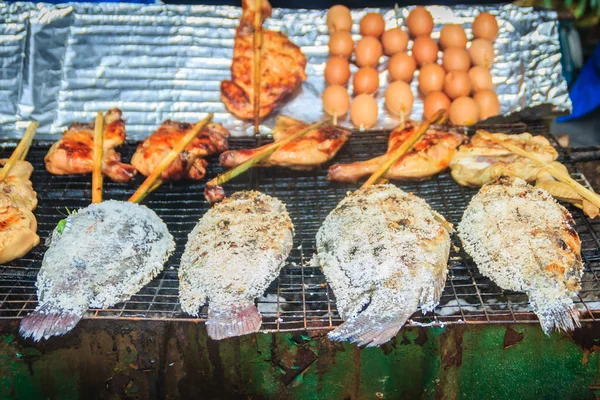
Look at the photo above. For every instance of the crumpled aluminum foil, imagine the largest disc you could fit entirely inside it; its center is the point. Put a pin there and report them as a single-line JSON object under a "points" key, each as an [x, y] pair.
{"points": [[63, 63]]}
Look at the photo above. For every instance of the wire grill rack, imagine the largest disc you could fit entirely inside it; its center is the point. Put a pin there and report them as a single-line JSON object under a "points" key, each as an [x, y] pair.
{"points": [[300, 298]]}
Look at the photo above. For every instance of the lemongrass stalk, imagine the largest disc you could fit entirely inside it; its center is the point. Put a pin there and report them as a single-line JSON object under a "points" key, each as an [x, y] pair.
{"points": [[555, 172], [98, 154], [21, 150], [153, 180], [261, 155], [405, 147]]}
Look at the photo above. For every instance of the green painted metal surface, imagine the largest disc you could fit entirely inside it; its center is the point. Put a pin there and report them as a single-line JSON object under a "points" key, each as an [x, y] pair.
{"points": [[142, 360]]}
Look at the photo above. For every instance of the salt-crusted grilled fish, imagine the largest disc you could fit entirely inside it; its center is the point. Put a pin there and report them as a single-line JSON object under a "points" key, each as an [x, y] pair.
{"points": [[523, 240], [101, 256], [385, 253], [233, 254]]}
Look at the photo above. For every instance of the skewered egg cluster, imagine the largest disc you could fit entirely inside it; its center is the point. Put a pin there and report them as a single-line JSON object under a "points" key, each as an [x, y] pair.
{"points": [[460, 82]]}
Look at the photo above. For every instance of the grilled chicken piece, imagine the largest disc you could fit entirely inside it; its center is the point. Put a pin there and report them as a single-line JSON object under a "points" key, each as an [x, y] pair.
{"points": [[384, 253], [16, 189], [73, 153], [481, 161], [428, 157], [190, 163], [233, 254], [103, 255], [282, 68], [17, 232], [523, 240], [308, 152]]}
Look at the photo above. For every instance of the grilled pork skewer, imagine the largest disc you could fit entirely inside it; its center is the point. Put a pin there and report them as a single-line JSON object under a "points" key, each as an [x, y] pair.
{"points": [[428, 157], [282, 66], [307, 152], [100, 256], [190, 163], [523, 240], [233, 254], [72, 154]]}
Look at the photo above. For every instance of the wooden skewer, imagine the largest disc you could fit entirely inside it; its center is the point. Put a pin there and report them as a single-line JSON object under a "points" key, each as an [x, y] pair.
{"points": [[438, 117], [559, 175], [98, 154], [264, 153], [256, 58], [153, 180], [21, 150]]}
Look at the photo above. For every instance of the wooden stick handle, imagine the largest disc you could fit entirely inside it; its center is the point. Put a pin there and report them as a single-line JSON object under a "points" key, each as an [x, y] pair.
{"points": [[555, 172], [98, 155], [21, 150], [150, 183], [257, 44], [264, 153], [438, 117]]}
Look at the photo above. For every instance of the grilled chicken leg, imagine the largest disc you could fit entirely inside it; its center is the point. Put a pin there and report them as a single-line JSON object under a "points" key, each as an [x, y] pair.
{"points": [[233, 254], [73, 153], [429, 156], [190, 163], [282, 67], [523, 240], [384, 253], [308, 152]]}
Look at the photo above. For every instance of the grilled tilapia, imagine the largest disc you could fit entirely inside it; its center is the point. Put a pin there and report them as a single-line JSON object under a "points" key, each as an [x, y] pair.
{"points": [[101, 256], [523, 240], [384, 253], [233, 254]]}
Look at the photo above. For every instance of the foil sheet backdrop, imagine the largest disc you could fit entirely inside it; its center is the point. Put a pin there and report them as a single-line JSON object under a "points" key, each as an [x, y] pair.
{"points": [[63, 63]]}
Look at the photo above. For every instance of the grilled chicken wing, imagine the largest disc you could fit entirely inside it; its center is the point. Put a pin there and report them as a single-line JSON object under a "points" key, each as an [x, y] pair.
{"points": [[16, 189], [384, 253], [428, 157], [233, 254], [73, 153], [18, 235], [282, 68], [522, 239], [308, 152], [190, 163], [481, 161]]}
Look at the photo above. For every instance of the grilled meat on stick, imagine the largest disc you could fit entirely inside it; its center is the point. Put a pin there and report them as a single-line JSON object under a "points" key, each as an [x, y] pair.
{"points": [[307, 152], [384, 252], [233, 254], [73, 152], [282, 66], [190, 163], [428, 157], [482, 161], [100, 256], [523, 240]]}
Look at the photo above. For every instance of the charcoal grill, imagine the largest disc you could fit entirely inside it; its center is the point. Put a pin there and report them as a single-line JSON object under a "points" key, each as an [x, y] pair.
{"points": [[300, 298]]}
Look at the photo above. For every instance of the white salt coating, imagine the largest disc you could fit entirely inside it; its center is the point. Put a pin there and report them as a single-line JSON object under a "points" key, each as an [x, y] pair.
{"points": [[384, 253], [522, 239], [234, 253], [106, 253]]}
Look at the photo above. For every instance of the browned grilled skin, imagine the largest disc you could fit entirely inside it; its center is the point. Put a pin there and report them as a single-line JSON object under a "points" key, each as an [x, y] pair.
{"points": [[282, 68], [73, 153], [308, 152], [190, 163], [429, 156]]}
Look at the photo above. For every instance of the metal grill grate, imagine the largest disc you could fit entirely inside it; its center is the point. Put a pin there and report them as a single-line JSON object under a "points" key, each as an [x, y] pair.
{"points": [[300, 298]]}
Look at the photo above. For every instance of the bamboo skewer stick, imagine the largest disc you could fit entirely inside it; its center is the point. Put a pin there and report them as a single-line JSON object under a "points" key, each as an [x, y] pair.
{"points": [[98, 155], [405, 147], [559, 175], [21, 150], [264, 153], [153, 180], [256, 59]]}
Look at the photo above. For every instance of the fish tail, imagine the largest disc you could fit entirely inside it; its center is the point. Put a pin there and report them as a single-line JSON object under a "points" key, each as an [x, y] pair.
{"points": [[48, 320], [559, 314], [368, 330], [230, 323]]}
